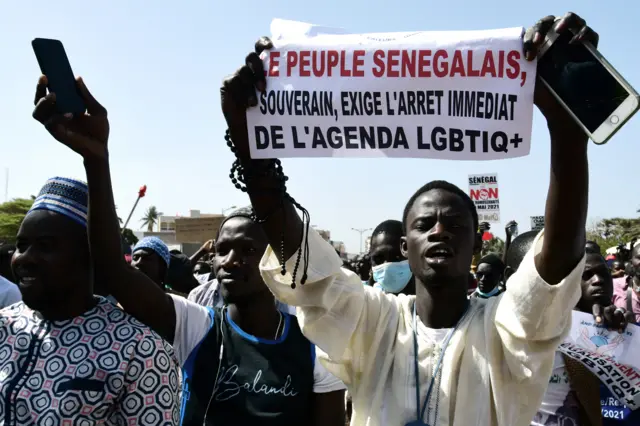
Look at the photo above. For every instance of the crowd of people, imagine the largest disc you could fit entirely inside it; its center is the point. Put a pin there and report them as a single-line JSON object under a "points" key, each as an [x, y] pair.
{"points": [[268, 325]]}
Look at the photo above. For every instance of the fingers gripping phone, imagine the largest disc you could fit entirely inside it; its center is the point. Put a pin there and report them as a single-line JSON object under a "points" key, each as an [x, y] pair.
{"points": [[586, 85], [55, 65]]}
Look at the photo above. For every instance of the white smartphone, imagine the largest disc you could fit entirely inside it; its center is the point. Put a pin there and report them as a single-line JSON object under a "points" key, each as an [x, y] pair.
{"points": [[598, 98]]}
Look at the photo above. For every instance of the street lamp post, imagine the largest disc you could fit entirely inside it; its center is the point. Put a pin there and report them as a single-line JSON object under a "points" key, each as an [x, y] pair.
{"points": [[361, 231], [227, 209]]}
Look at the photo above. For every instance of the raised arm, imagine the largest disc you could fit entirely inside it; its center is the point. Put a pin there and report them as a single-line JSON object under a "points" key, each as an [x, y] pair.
{"points": [[533, 315], [509, 229], [264, 184], [567, 199], [133, 290], [88, 135], [340, 316], [205, 249]]}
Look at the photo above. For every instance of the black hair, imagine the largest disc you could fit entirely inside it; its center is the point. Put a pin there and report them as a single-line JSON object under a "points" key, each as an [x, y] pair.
{"points": [[592, 247], [246, 212], [493, 260], [201, 263], [445, 186], [180, 274], [6, 252], [594, 253], [390, 226], [629, 270], [519, 248]]}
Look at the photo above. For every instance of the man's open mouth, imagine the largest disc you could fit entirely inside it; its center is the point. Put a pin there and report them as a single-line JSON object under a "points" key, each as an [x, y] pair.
{"points": [[439, 253]]}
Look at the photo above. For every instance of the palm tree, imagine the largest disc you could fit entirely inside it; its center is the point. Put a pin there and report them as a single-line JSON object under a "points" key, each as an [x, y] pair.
{"points": [[150, 218]]}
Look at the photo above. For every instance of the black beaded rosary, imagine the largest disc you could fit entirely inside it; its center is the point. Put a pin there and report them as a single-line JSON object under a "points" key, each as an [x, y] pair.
{"points": [[272, 168]]}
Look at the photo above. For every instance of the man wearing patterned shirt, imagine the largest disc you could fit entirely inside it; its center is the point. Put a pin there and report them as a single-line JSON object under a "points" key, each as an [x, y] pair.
{"points": [[67, 356]]}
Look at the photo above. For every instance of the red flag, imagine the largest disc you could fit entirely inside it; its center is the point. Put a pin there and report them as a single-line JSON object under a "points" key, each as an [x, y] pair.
{"points": [[142, 191], [487, 236]]}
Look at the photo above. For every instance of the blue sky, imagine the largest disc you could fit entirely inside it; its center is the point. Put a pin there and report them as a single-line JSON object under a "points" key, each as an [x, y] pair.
{"points": [[157, 67]]}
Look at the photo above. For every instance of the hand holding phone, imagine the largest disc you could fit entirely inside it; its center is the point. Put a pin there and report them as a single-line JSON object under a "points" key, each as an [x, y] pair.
{"points": [[85, 133], [55, 65], [594, 94]]}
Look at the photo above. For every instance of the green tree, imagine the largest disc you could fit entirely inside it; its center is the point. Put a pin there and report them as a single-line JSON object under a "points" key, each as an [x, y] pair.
{"points": [[494, 245], [11, 215], [150, 218], [612, 232]]}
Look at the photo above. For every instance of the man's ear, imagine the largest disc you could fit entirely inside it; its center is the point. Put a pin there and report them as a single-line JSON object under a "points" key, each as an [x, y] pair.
{"points": [[403, 247], [508, 271], [477, 245]]}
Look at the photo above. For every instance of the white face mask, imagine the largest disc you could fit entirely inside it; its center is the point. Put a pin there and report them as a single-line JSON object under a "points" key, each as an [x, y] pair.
{"points": [[392, 277]]}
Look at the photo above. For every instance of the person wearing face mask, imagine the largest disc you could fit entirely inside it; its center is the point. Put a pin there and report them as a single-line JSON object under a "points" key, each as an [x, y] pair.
{"points": [[389, 268], [490, 275]]}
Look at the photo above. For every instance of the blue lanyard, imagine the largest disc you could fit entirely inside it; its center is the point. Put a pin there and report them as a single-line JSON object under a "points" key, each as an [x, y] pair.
{"points": [[420, 413]]}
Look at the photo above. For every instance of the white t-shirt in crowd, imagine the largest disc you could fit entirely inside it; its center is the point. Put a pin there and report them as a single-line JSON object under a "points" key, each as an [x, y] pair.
{"points": [[9, 293], [496, 367], [193, 322]]}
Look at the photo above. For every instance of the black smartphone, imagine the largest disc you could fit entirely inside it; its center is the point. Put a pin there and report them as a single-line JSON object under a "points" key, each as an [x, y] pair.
{"points": [[586, 85], [54, 64]]}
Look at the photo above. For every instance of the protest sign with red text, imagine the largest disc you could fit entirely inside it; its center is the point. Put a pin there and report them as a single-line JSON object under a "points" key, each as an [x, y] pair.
{"points": [[460, 95], [611, 356], [483, 190]]}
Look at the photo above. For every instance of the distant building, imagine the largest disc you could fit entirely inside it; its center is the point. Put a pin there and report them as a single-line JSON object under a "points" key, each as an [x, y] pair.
{"points": [[168, 223], [167, 231]]}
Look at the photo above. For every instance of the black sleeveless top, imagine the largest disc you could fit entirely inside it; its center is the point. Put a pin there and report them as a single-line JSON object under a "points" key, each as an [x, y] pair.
{"points": [[260, 382]]}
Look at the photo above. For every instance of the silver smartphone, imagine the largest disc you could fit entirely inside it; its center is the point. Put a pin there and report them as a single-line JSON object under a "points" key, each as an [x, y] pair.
{"points": [[598, 98]]}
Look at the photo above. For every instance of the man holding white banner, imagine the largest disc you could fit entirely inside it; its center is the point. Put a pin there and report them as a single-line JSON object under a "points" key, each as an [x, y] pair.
{"points": [[436, 358]]}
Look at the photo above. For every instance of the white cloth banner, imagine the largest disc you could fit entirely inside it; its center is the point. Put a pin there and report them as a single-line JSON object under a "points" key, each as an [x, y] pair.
{"points": [[458, 95], [611, 356]]}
